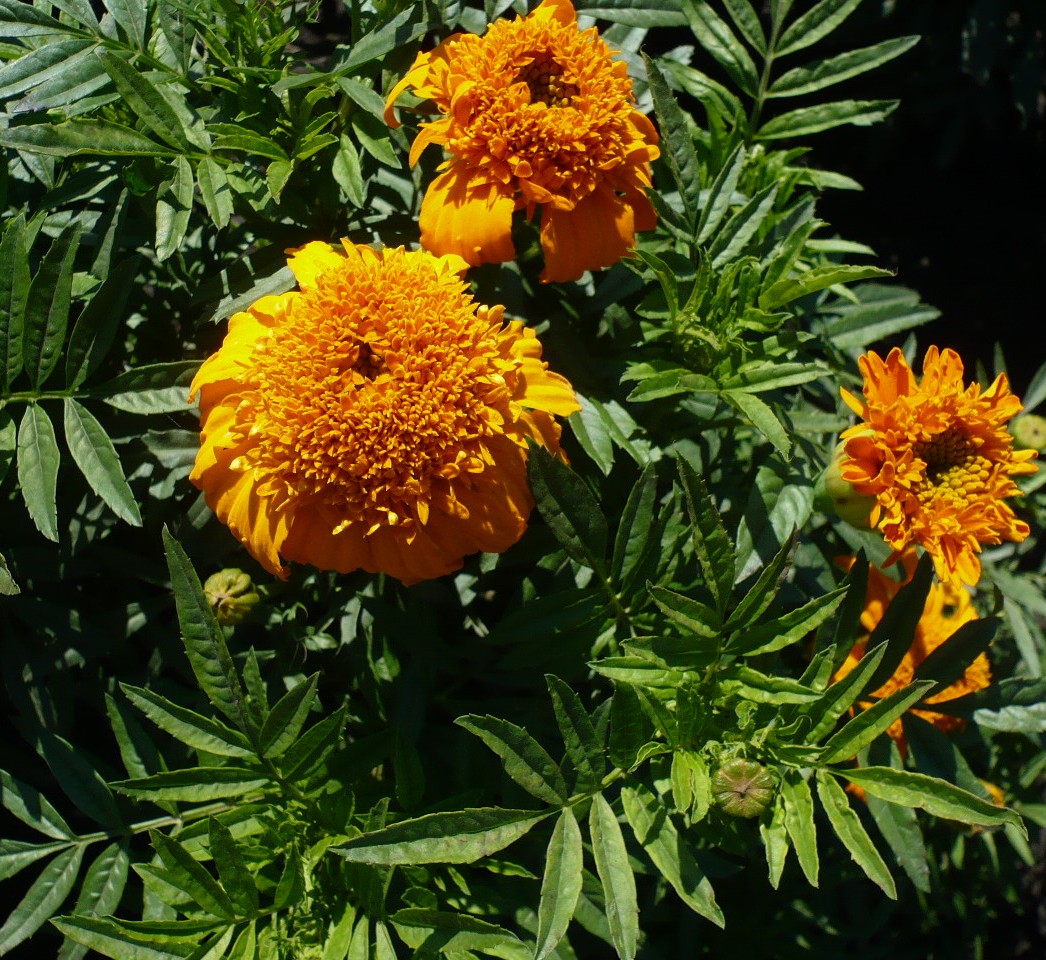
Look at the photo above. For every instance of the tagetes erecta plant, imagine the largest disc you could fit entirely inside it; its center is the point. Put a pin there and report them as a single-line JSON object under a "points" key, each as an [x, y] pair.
{"points": [[535, 113], [948, 606], [937, 457], [376, 418]]}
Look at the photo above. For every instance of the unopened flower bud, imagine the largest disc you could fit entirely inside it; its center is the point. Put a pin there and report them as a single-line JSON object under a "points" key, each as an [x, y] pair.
{"points": [[1029, 430], [742, 788], [231, 595], [837, 495]]}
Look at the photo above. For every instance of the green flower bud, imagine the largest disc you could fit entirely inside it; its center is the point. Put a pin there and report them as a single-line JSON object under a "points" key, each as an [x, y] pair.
{"points": [[836, 495], [1029, 430], [742, 788], [231, 595]]}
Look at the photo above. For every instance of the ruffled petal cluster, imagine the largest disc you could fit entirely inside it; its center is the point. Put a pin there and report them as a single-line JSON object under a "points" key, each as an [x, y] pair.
{"points": [[376, 418], [535, 113], [938, 459], [948, 607]]}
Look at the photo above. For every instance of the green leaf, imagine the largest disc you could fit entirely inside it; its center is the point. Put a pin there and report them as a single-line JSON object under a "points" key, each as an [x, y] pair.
{"points": [[72, 138], [936, 797], [762, 417], [229, 136], [630, 728], [341, 934], [636, 13], [636, 536], [82, 783], [112, 940], [715, 552], [16, 855], [870, 723], [582, 743], [524, 759], [721, 194], [215, 191], [763, 591], [900, 828], [155, 388], [825, 116], [948, 662], [817, 22], [398, 33], [173, 206], [842, 694], [235, 878], [654, 829], [47, 307], [192, 729], [560, 884], [679, 152], [14, 291], [202, 635], [314, 745], [569, 508], [96, 327], [799, 822], [615, 873], [38, 459], [774, 835], [42, 899], [824, 73], [146, 102], [94, 453], [347, 173], [785, 630], [456, 934], [460, 836], [715, 35], [100, 893], [730, 242], [195, 784], [32, 808], [692, 615], [849, 829], [131, 16], [287, 717], [191, 877], [899, 622], [770, 689], [785, 291], [747, 21]]}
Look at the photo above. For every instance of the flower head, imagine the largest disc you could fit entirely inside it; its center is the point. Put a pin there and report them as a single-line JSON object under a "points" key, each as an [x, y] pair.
{"points": [[938, 459], [948, 607], [535, 113], [377, 418]]}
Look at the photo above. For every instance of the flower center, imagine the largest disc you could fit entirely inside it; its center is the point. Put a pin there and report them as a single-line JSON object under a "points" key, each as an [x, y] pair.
{"points": [[954, 470], [544, 78]]}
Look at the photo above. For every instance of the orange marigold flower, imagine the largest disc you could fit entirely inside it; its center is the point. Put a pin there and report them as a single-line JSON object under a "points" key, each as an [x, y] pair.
{"points": [[535, 112], [948, 607], [377, 418], [938, 459]]}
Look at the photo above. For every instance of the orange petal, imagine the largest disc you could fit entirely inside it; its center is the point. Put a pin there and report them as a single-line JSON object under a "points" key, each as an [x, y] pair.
{"points": [[595, 234], [475, 224]]}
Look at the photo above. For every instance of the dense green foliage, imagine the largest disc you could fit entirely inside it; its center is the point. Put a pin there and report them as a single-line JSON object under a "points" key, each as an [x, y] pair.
{"points": [[526, 759]]}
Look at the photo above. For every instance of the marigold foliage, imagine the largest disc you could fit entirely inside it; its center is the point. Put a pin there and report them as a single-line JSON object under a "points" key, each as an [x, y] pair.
{"points": [[937, 457], [377, 418], [534, 113]]}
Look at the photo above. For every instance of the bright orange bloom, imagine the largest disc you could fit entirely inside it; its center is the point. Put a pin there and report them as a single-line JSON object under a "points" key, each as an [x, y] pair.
{"points": [[535, 113], [377, 418], [938, 459], [948, 607]]}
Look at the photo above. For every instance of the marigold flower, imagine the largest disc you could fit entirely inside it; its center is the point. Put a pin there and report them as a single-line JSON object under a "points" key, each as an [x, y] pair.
{"points": [[948, 607], [937, 458], [377, 419], [535, 113]]}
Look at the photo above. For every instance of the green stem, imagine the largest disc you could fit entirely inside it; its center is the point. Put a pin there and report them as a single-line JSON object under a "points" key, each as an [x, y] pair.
{"points": [[764, 78]]}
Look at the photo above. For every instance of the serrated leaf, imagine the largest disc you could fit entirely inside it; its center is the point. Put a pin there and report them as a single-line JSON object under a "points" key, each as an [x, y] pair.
{"points": [[747, 21], [188, 727], [774, 835], [313, 745], [764, 688], [235, 878], [192, 877], [787, 629], [96, 326], [42, 899], [799, 822], [16, 855], [730, 242], [347, 173], [460, 836], [195, 784], [100, 892], [899, 621], [948, 662], [654, 829], [456, 933], [721, 194], [569, 508], [173, 207], [870, 723], [93, 452], [582, 743], [76, 137], [824, 73], [155, 388], [936, 797], [842, 694], [145, 101], [32, 808], [825, 116], [79, 779], [560, 884], [615, 874], [635, 13], [112, 940], [761, 415], [287, 717], [763, 591], [215, 192], [819, 278], [692, 615], [679, 152], [849, 829], [524, 759], [131, 16], [715, 552], [47, 307], [202, 635], [819, 21], [715, 35], [14, 291], [636, 530]]}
